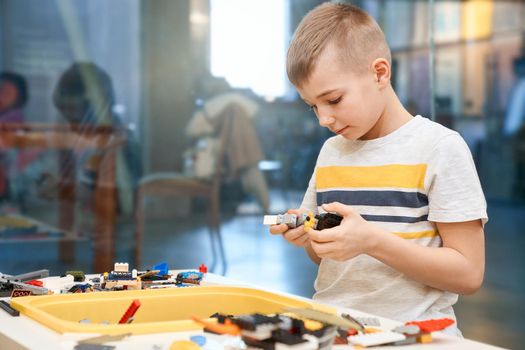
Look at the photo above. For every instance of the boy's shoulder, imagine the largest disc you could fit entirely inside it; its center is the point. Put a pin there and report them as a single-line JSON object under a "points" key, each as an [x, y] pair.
{"points": [[419, 130]]}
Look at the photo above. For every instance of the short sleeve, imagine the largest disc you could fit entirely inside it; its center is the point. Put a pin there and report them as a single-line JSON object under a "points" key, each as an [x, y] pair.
{"points": [[310, 197], [454, 189]]}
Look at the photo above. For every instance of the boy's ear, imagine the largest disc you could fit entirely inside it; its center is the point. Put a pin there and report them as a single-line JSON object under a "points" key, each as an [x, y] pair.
{"points": [[382, 72]]}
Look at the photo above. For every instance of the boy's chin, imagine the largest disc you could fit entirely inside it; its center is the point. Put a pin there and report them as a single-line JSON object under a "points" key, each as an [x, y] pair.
{"points": [[350, 136]]}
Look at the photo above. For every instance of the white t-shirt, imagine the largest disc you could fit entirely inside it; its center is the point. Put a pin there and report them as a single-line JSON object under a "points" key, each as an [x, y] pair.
{"points": [[403, 182]]}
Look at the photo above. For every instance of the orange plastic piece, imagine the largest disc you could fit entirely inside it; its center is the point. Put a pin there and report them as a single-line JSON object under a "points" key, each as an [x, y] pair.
{"points": [[425, 338], [220, 328], [369, 330], [433, 325]]}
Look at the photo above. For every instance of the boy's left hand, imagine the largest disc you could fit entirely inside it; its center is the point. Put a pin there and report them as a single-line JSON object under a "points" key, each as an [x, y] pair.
{"points": [[343, 242]]}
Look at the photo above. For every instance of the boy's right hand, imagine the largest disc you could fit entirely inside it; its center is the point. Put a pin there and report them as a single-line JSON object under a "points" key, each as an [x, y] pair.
{"points": [[297, 236]]}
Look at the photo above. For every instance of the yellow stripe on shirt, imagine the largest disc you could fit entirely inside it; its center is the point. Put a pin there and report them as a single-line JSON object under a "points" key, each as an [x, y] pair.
{"points": [[395, 175], [414, 235]]}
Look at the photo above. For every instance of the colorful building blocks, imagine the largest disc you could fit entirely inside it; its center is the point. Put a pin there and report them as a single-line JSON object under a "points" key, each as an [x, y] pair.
{"points": [[192, 277], [280, 331], [317, 222]]}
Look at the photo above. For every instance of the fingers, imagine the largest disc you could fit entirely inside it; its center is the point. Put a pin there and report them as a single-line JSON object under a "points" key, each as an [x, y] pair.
{"points": [[327, 235], [278, 229], [297, 236], [325, 250], [339, 208]]}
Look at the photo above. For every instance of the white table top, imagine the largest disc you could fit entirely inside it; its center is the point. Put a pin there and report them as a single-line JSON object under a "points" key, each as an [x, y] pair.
{"points": [[17, 333]]}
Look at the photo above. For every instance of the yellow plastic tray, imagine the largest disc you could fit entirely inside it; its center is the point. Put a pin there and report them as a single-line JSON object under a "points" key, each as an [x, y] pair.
{"points": [[162, 310]]}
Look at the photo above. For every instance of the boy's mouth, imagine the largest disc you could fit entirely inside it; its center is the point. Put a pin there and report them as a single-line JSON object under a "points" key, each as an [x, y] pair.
{"points": [[340, 131]]}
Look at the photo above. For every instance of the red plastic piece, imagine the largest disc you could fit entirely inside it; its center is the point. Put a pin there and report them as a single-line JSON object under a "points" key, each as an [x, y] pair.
{"points": [[203, 268], [433, 325], [35, 283], [351, 332], [130, 311]]}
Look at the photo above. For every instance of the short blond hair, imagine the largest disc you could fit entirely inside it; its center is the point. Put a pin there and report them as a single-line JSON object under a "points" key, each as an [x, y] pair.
{"points": [[356, 34]]}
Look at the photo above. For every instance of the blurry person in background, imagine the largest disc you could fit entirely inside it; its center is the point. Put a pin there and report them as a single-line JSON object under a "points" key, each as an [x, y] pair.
{"points": [[13, 97], [84, 96], [242, 149]]}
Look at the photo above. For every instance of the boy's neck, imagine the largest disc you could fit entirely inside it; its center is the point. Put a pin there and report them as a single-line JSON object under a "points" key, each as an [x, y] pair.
{"points": [[394, 116]]}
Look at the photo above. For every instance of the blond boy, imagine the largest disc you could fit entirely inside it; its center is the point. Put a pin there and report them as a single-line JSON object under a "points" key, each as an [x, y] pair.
{"points": [[412, 235]]}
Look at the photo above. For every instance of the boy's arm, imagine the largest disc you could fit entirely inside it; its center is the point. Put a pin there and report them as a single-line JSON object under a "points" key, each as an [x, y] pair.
{"points": [[458, 266]]}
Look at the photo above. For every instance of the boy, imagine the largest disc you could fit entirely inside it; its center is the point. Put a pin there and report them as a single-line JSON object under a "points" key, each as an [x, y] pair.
{"points": [[413, 210]]}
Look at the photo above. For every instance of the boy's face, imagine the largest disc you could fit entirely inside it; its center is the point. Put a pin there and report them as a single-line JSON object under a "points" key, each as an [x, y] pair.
{"points": [[347, 103]]}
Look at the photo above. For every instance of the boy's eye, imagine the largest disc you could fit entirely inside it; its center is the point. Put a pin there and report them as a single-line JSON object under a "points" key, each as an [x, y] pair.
{"points": [[312, 108], [334, 101]]}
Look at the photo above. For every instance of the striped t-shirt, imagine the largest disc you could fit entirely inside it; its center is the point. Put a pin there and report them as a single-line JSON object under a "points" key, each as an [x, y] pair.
{"points": [[404, 182]]}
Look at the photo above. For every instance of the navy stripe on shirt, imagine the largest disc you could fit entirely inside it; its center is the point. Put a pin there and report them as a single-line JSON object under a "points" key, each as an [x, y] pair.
{"points": [[374, 198]]}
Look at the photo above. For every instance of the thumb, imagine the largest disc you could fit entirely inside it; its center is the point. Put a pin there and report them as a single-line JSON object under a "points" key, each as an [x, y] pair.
{"points": [[339, 208]]}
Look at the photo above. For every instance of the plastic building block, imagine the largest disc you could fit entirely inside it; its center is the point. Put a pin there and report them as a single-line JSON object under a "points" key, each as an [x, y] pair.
{"points": [[369, 321], [318, 222], [407, 330], [218, 328], [78, 276], [354, 320], [192, 277], [200, 340], [324, 221], [20, 293], [203, 268], [433, 325], [162, 267], [291, 220], [132, 309], [121, 267], [374, 339], [32, 275], [8, 308], [35, 283], [257, 326], [184, 345], [324, 317], [425, 338]]}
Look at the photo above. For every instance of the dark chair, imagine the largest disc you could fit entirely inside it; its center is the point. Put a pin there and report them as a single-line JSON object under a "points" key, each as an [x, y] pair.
{"points": [[178, 185]]}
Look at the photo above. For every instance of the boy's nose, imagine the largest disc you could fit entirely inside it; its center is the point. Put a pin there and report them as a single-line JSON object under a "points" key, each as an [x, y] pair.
{"points": [[325, 120]]}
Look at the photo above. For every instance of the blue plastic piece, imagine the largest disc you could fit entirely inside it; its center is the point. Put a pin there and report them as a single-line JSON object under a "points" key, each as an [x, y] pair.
{"points": [[200, 340], [163, 267]]}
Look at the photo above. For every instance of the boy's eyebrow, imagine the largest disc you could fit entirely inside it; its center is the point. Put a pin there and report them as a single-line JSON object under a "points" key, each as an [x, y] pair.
{"points": [[326, 93]]}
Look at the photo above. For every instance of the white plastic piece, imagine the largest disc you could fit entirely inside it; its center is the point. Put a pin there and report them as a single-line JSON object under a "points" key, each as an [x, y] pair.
{"points": [[124, 267], [134, 273], [57, 283], [372, 339], [271, 220]]}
